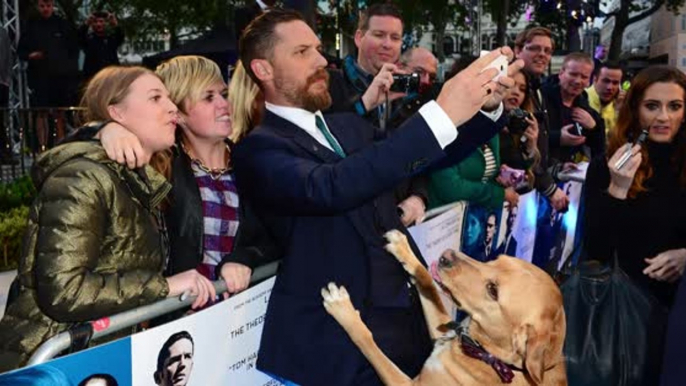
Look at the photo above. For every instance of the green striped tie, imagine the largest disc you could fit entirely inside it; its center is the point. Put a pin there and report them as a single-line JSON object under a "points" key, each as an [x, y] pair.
{"points": [[329, 137]]}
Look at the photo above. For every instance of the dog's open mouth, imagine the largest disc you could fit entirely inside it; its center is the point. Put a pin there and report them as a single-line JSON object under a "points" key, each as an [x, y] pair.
{"points": [[437, 278]]}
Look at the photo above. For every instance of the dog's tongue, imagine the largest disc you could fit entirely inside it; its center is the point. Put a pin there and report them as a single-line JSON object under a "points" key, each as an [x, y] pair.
{"points": [[434, 271]]}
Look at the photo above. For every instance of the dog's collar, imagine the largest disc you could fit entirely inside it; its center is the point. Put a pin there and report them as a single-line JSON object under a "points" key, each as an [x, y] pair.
{"points": [[472, 348]]}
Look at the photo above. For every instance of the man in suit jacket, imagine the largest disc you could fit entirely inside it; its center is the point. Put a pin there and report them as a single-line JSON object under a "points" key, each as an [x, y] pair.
{"points": [[322, 186]]}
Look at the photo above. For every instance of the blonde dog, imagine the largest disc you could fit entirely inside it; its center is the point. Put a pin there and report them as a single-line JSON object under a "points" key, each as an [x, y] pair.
{"points": [[514, 334]]}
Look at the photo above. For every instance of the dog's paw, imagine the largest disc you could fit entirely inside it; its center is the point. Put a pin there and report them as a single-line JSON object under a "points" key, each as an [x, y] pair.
{"points": [[337, 303], [399, 247]]}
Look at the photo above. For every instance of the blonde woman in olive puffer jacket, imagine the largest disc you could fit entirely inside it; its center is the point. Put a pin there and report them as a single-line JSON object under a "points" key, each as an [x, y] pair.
{"points": [[94, 246]]}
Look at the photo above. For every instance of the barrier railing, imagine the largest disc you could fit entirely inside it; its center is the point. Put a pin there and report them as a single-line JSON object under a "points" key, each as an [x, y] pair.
{"points": [[27, 132], [109, 325]]}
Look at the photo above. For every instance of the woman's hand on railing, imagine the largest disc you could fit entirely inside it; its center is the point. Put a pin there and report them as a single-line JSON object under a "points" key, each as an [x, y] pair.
{"points": [[193, 283], [123, 146], [236, 276]]}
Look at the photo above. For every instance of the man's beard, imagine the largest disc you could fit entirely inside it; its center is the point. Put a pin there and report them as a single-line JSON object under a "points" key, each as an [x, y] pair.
{"points": [[304, 98]]}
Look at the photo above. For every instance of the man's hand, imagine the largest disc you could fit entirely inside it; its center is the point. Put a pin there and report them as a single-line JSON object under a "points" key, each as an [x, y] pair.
{"points": [[413, 209], [112, 19], [559, 200], [376, 92], [466, 93], [236, 276], [584, 118], [569, 139], [504, 84], [36, 55]]}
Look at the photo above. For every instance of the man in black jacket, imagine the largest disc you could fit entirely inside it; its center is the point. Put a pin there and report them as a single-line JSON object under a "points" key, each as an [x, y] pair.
{"points": [[577, 132], [50, 46], [98, 43]]}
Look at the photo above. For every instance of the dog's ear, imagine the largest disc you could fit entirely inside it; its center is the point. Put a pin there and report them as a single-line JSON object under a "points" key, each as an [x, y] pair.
{"points": [[532, 348]]}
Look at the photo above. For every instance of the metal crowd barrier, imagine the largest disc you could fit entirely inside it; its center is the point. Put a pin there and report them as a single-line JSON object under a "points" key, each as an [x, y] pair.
{"points": [[27, 132], [109, 325]]}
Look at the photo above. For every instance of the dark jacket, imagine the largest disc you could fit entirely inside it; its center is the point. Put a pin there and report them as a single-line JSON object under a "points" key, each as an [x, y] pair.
{"points": [[544, 182], [253, 245], [100, 51], [91, 248], [595, 138], [57, 39], [329, 215]]}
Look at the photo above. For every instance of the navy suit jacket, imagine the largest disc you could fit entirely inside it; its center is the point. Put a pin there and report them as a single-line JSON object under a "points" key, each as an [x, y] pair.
{"points": [[328, 215]]}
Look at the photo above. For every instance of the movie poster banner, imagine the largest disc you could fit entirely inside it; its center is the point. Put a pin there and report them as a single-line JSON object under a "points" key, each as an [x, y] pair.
{"points": [[217, 346]]}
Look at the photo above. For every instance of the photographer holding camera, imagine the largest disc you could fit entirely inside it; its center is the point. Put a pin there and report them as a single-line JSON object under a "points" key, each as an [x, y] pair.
{"points": [[100, 43], [358, 87], [519, 152], [573, 123]]}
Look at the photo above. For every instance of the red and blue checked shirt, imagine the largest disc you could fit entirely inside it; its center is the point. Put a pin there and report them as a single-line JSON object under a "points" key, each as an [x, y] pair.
{"points": [[220, 217]]}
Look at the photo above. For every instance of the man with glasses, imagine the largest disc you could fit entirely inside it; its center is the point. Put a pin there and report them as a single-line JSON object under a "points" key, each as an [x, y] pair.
{"points": [[535, 47]]}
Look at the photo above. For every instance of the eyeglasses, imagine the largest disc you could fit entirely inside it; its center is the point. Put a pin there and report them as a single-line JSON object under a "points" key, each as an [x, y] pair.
{"points": [[536, 49]]}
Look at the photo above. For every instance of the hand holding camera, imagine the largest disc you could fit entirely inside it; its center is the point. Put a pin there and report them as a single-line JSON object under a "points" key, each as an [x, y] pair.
{"points": [[583, 118], [376, 92], [569, 136]]}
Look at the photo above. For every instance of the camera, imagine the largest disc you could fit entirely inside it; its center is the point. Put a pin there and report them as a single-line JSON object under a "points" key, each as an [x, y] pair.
{"points": [[405, 83], [578, 129], [516, 121]]}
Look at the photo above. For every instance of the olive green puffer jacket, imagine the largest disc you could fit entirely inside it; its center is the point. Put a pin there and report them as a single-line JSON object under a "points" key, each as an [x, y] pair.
{"points": [[92, 247]]}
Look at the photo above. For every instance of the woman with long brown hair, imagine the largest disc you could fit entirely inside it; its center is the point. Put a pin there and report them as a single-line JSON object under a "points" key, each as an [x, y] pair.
{"points": [[637, 211]]}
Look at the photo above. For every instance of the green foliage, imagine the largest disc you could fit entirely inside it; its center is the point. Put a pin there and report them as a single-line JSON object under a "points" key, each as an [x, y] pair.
{"points": [[12, 226], [17, 193]]}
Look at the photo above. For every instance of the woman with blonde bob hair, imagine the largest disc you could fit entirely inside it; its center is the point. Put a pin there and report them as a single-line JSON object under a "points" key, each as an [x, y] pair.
{"points": [[637, 211], [91, 249], [202, 211]]}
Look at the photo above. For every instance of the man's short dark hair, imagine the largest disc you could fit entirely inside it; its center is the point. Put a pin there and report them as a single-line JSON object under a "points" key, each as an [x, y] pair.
{"points": [[258, 38], [378, 9], [610, 65], [164, 351]]}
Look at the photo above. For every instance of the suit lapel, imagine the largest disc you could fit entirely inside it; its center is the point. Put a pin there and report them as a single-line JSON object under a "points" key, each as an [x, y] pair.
{"points": [[347, 137], [300, 137]]}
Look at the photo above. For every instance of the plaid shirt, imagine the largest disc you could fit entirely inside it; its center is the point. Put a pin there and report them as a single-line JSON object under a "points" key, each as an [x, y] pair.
{"points": [[220, 217]]}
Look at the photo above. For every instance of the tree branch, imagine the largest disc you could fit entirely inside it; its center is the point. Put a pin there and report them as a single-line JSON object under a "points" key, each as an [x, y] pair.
{"points": [[656, 6]]}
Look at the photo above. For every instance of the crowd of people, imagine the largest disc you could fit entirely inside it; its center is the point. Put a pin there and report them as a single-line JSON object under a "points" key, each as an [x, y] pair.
{"points": [[178, 179]]}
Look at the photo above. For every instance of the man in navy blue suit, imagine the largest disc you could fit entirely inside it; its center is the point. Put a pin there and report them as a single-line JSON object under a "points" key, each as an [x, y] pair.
{"points": [[323, 189]]}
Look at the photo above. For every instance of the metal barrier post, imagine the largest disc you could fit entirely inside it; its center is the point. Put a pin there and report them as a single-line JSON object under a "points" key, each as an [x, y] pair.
{"points": [[62, 341]]}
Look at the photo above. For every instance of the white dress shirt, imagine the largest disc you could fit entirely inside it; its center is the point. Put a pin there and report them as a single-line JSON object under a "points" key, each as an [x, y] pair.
{"points": [[438, 121]]}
